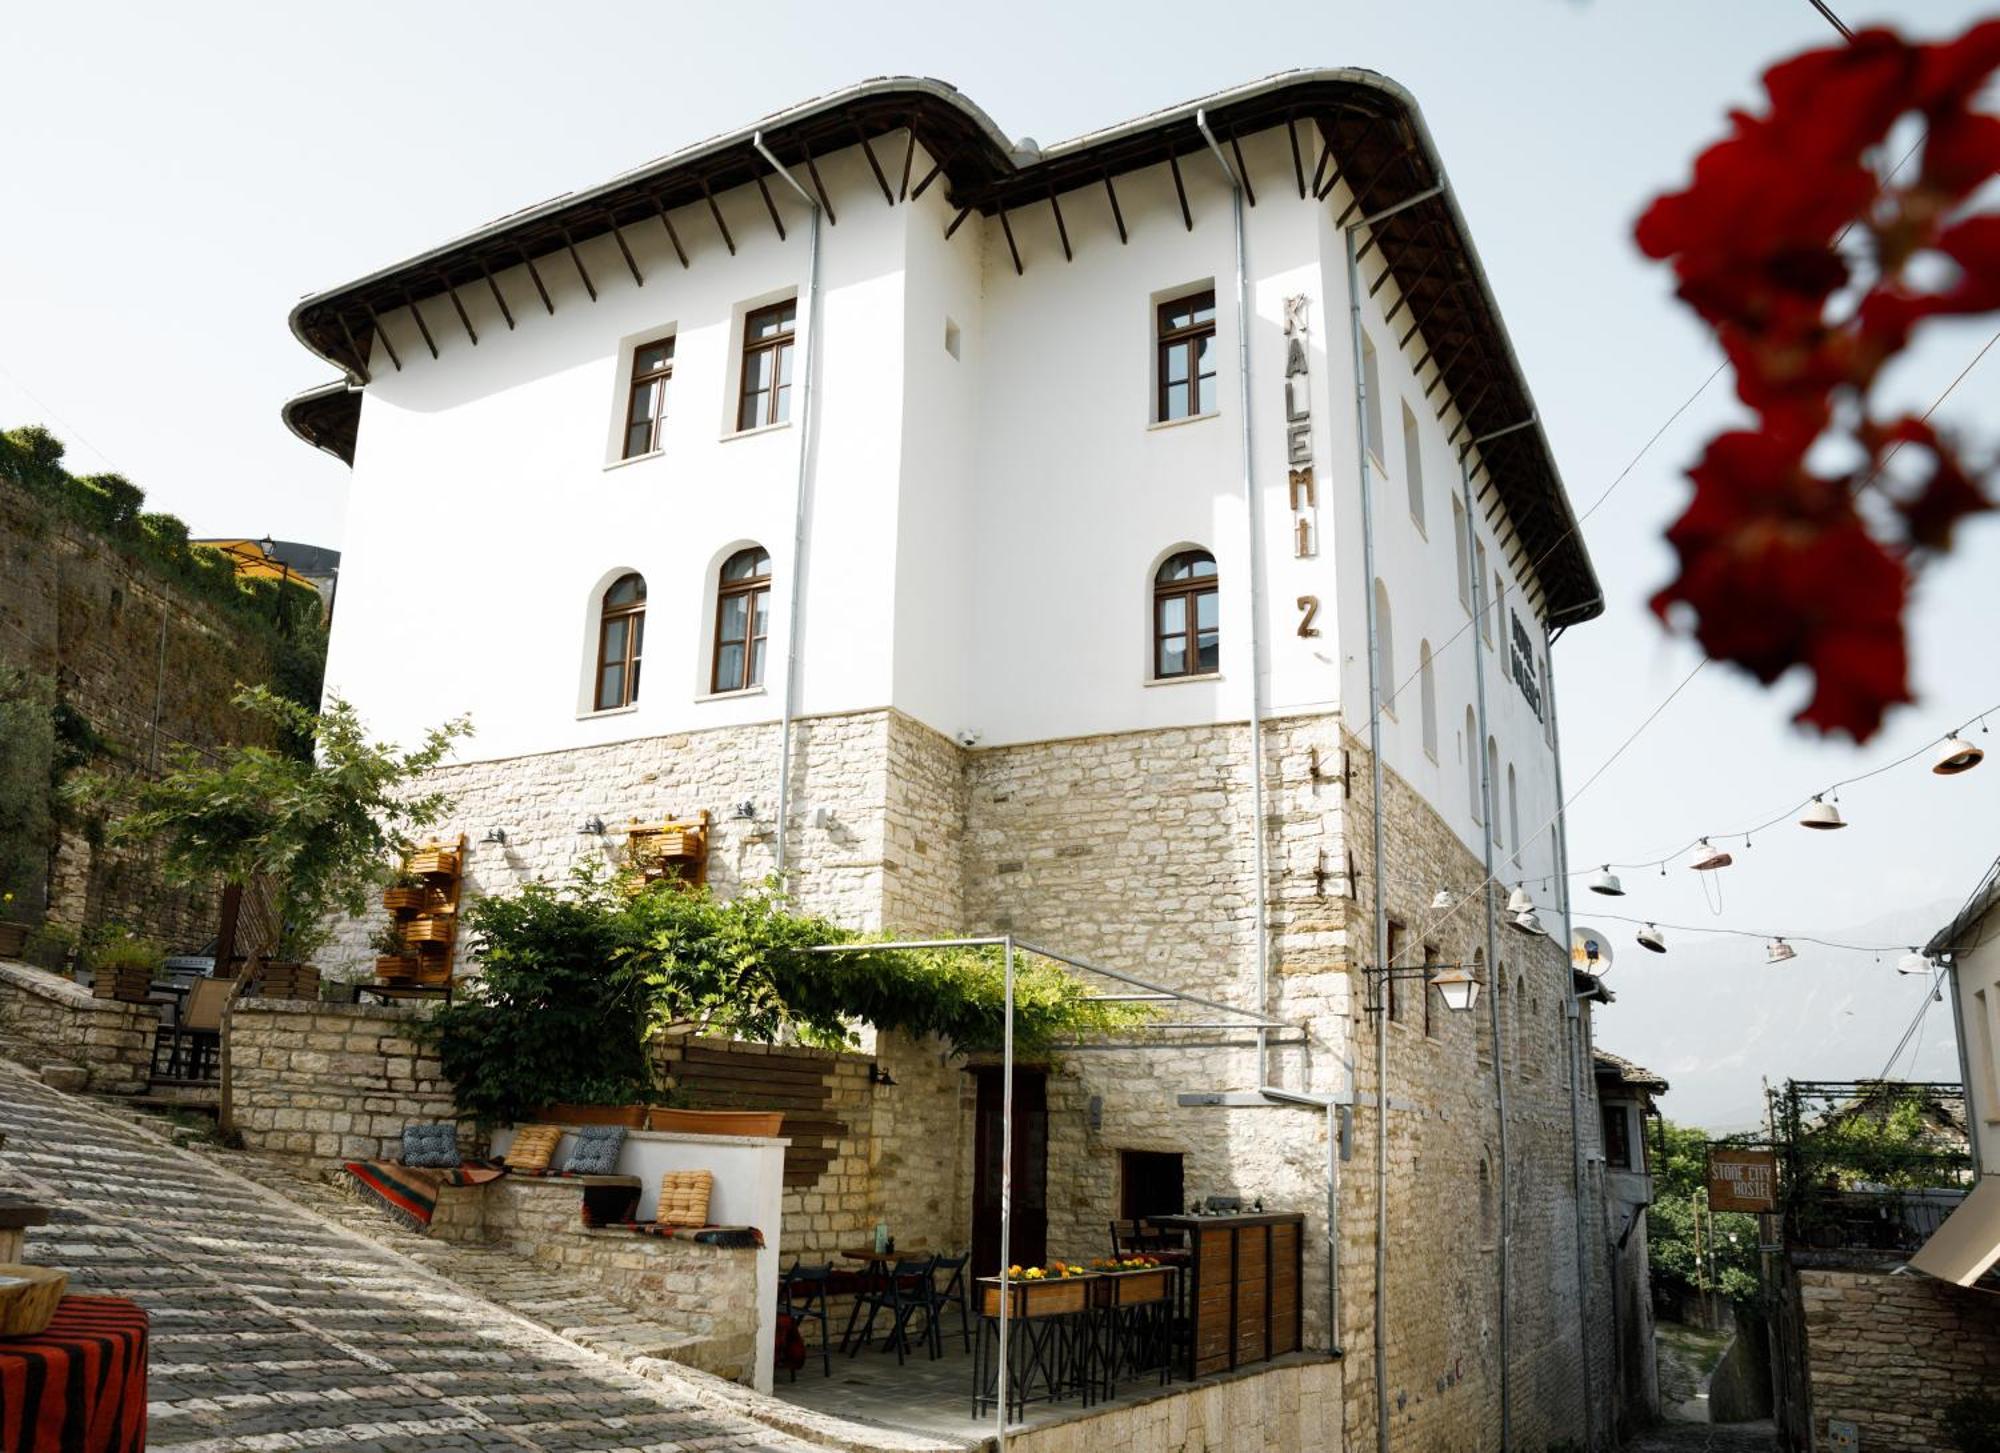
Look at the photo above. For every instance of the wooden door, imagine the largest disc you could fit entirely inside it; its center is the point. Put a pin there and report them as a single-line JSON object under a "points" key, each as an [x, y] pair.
{"points": [[1029, 1238]]}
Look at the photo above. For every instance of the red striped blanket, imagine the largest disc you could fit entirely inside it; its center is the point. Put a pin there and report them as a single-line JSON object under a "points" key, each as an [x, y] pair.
{"points": [[409, 1193]]}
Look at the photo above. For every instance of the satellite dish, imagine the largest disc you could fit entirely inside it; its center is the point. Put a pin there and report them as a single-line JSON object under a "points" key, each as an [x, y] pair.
{"points": [[1589, 950]]}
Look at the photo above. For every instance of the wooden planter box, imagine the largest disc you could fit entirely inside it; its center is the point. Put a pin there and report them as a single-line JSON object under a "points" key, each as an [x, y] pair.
{"points": [[716, 1122], [129, 986], [1052, 1298], [1133, 1288], [405, 900], [433, 972], [428, 930], [13, 939], [391, 968], [632, 1117], [440, 861]]}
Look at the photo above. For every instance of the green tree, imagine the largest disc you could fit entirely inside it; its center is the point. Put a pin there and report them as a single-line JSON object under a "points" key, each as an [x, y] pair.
{"points": [[1727, 1239], [321, 829]]}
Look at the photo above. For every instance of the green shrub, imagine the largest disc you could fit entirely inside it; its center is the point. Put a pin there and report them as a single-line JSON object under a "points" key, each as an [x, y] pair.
{"points": [[128, 951], [1972, 1422], [50, 946]]}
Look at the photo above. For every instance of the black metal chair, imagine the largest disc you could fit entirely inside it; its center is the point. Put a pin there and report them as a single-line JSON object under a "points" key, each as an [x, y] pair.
{"points": [[802, 1297], [902, 1293], [955, 1292]]}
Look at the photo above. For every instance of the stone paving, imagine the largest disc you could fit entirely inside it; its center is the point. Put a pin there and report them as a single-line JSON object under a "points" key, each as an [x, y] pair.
{"points": [[1675, 1437], [273, 1329]]}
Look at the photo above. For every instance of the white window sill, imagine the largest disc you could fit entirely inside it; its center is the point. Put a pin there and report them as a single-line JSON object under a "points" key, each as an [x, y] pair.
{"points": [[1183, 680], [592, 715], [760, 429], [731, 695], [1177, 423], [635, 459]]}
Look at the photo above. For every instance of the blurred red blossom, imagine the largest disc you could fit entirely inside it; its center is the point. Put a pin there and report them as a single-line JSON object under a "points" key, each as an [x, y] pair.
{"points": [[1783, 563]]}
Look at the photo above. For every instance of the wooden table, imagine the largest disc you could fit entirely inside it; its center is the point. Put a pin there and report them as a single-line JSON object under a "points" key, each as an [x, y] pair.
{"points": [[81, 1384], [1244, 1276]]}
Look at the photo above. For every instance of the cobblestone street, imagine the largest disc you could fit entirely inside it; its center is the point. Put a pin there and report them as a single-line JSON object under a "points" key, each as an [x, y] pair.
{"points": [[272, 1329]]}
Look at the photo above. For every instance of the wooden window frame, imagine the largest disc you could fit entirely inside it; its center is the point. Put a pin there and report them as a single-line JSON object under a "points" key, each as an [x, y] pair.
{"points": [[634, 614], [778, 345], [653, 381], [727, 590], [1167, 339], [1189, 592]]}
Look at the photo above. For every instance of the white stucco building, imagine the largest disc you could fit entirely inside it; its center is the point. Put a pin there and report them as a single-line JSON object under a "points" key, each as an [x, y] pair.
{"points": [[994, 538]]}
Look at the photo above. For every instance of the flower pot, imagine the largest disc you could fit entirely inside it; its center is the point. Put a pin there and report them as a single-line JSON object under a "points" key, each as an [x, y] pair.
{"points": [[405, 900], [716, 1122], [13, 939], [393, 968], [1050, 1298], [632, 1117], [428, 930], [433, 861]]}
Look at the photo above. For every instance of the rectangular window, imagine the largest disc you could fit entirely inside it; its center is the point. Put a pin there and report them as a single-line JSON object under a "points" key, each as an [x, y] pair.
{"points": [[1186, 359], [768, 335], [1371, 381], [1391, 984], [1413, 466], [1479, 564], [1617, 1137], [1430, 994], [646, 409], [1150, 1183], [1460, 549]]}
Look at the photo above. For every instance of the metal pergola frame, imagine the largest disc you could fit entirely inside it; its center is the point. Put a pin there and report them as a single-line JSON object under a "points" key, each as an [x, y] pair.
{"points": [[1148, 992]]}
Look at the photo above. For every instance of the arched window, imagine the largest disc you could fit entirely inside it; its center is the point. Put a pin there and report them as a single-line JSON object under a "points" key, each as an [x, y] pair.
{"points": [[621, 638], [1186, 622], [1472, 766], [1493, 776], [1413, 466], [742, 620], [1514, 814], [1385, 636], [1427, 689]]}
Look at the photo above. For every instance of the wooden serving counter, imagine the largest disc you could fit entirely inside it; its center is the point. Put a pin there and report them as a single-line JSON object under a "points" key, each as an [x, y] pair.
{"points": [[1243, 1282]]}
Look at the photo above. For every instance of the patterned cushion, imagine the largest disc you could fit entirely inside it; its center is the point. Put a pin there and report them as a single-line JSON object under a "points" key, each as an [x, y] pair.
{"points": [[534, 1146], [434, 1146], [595, 1152]]}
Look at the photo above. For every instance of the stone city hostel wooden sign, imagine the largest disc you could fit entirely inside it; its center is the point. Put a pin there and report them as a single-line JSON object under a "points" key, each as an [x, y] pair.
{"points": [[1742, 1180]]}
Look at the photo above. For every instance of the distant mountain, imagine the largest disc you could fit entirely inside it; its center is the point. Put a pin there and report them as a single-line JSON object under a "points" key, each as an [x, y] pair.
{"points": [[1717, 1022]]}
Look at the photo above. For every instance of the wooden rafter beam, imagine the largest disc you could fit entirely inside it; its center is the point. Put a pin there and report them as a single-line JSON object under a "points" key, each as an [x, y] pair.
{"points": [[672, 236], [464, 320], [577, 258], [876, 167], [422, 327], [498, 296], [631, 263], [1117, 213], [715, 211], [540, 287]]}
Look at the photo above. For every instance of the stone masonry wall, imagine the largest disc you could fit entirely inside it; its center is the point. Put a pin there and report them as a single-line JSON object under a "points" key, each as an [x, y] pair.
{"points": [[111, 1041], [1886, 1353], [146, 668], [1274, 1410], [330, 1081]]}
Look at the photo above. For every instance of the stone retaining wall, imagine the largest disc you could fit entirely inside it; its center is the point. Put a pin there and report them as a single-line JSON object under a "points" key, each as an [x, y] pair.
{"points": [[708, 1294], [111, 1041], [330, 1081], [1887, 1352], [1291, 1406]]}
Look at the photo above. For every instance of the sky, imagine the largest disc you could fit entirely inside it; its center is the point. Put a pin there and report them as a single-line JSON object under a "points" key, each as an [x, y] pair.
{"points": [[177, 177]]}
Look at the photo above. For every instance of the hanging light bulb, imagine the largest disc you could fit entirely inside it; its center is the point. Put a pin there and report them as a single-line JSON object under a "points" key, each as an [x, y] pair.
{"points": [[1442, 900], [1527, 922], [1779, 951], [1822, 815], [1607, 883], [1956, 755], [1708, 857], [1651, 938], [1913, 963], [1520, 901]]}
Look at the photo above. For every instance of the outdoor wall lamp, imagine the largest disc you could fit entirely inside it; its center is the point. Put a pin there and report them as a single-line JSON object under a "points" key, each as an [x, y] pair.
{"points": [[1455, 986], [593, 826], [495, 835], [745, 811], [879, 1076]]}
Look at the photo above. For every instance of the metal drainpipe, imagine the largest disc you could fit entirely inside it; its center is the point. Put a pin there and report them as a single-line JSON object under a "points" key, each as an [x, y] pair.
{"points": [[1254, 520], [1964, 1064], [801, 497], [1572, 1035], [1498, 985]]}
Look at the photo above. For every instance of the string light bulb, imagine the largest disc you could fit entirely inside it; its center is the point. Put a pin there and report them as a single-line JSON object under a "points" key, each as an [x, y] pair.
{"points": [[1708, 857], [1956, 755], [1913, 963], [1822, 815], [1779, 951], [1651, 938], [1606, 882], [1520, 901]]}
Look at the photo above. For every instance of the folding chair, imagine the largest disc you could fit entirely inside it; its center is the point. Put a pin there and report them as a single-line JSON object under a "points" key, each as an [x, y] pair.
{"points": [[954, 1293], [803, 1298]]}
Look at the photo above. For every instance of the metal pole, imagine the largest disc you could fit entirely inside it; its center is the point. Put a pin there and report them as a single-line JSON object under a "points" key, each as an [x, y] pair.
{"points": [[1573, 1032], [1253, 523], [1376, 873], [800, 500], [1492, 942], [1958, 1032], [1006, 1187]]}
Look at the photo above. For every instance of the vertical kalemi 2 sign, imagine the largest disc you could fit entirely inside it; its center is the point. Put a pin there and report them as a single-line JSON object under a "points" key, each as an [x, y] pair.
{"points": [[1299, 450]]}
